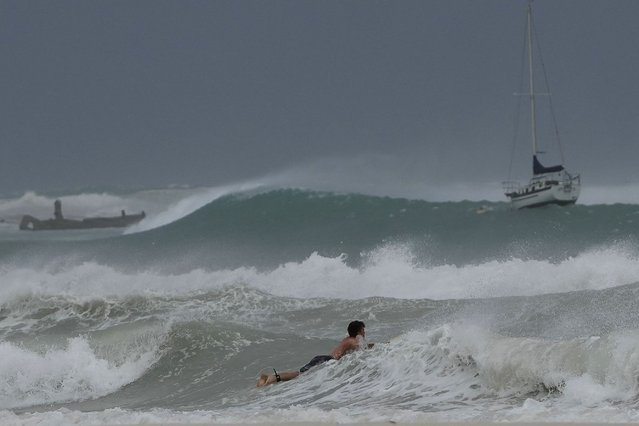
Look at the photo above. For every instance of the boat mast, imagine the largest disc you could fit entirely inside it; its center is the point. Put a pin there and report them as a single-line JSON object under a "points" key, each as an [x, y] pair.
{"points": [[533, 121]]}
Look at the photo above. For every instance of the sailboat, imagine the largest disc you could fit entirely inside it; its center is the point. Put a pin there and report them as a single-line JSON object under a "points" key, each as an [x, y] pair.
{"points": [[548, 185]]}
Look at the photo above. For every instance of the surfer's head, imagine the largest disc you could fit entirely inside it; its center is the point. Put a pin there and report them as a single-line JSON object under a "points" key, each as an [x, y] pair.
{"points": [[355, 327]]}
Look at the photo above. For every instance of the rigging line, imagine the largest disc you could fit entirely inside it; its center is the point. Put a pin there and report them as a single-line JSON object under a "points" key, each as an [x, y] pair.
{"points": [[552, 108], [517, 116]]}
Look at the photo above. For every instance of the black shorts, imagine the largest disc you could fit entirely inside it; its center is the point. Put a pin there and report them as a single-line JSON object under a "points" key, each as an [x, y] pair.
{"points": [[319, 359]]}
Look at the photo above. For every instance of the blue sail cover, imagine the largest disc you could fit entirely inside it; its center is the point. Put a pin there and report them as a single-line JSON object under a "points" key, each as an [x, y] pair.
{"points": [[539, 169]]}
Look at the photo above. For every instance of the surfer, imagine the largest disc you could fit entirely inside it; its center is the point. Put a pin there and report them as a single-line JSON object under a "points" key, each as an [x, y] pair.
{"points": [[348, 344]]}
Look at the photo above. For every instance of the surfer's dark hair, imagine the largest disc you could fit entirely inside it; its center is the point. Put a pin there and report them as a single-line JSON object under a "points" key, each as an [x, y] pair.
{"points": [[355, 327]]}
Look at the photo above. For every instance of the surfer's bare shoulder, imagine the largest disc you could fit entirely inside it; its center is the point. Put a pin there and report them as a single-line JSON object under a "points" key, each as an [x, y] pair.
{"points": [[348, 344]]}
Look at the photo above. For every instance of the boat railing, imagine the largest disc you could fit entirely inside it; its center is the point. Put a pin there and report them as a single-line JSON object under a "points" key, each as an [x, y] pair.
{"points": [[511, 186], [568, 179], [576, 179]]}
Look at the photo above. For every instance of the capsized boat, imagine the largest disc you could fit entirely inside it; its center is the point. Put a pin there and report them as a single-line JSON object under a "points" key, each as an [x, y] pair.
{"points": [[59, 222]]}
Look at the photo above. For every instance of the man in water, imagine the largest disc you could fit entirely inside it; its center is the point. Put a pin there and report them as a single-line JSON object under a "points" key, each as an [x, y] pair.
{"points": [[348, 344]]}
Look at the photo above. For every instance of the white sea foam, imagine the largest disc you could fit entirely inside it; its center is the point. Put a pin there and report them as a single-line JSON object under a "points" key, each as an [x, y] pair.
{"points": [[390, 271], [72, 373], [582, 372]]}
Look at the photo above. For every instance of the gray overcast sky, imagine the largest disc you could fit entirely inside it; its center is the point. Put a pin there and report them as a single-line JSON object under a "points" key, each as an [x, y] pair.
{"points": [[150, 93]]}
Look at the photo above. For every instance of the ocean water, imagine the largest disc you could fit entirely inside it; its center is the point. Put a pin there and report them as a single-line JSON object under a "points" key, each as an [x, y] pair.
{"points": [[480, 313]]}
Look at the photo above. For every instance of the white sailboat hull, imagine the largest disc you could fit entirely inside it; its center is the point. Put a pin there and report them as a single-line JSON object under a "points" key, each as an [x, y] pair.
{"points": [[543, 191]]}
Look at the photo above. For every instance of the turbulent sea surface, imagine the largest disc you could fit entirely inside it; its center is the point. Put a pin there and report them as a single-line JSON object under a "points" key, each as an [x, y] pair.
{"points": [[481, 313]]}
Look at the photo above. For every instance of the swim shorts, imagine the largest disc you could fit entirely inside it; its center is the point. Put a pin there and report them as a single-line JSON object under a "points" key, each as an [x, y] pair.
{"points": [[319, 359]]}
